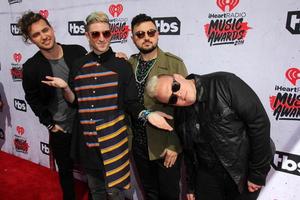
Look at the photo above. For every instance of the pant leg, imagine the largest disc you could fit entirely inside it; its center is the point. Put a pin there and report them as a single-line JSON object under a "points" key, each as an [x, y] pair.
{"points": [[246, 195], [96, 184], [60, 144], [214, 183], [169, 179], [208, 185], [147, 171]]}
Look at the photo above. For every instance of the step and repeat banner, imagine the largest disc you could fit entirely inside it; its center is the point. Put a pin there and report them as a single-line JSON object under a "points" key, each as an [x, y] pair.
{"points": [[259, 41]]}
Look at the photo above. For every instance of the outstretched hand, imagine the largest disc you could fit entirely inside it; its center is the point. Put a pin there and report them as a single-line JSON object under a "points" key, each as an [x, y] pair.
{"points": [[55, 82], [158, 119]]}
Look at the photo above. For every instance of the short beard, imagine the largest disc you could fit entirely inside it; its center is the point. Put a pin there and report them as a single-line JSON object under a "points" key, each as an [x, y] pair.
{"points": [[146, 51]]}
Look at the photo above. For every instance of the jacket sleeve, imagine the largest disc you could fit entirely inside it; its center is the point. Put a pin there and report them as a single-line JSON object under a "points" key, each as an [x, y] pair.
{"points": [[250, 109], [75, 67], [131, 102], [189, 154], [33, 96]]}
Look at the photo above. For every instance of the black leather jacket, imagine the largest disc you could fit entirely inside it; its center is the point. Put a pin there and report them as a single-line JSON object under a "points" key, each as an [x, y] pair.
{"points": [[37, 94], [230, 117]]}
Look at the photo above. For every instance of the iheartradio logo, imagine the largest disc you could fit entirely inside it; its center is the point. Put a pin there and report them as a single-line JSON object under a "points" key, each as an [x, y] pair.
{"points": [[17, 57], [293, 74], [115, 10], [231, 4], [20, 130], [44, 13]]}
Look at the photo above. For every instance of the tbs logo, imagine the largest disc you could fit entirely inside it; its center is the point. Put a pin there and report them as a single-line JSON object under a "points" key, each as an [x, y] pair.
{"points": [[15, 30], [168, 25], [44, 148], [285, 162], [293, 22], [14, 1], [76, 27], [20, 105]]}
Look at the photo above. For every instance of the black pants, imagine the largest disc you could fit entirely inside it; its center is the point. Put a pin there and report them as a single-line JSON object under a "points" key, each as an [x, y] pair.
{"points": [[60, 144], [159, 182], [96, 184], [214, 183]]}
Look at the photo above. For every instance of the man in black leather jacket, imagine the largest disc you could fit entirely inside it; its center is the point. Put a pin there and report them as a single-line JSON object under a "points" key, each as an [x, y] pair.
{"points": [[224, 130]]}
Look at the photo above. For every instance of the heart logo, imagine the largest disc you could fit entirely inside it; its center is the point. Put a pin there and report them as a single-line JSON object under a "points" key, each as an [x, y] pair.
{"points": [[20, 130], [293, 74], [115, 10], [17, 57], [44, 13], [230, 3]]}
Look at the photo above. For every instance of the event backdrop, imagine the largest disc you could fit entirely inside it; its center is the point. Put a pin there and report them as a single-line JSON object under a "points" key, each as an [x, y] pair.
{"points": [[257, 40]]}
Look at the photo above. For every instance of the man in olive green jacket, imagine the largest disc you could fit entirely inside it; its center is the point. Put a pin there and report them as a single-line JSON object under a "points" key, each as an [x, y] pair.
{"points": [[157, 154]]}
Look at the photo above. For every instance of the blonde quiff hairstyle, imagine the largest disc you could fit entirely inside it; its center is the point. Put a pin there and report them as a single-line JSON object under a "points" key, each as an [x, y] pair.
{"points": [[151, 86], [96, 17]]}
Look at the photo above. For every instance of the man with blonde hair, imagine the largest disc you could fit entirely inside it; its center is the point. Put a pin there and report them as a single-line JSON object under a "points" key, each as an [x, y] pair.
{"points": [[225, 132], [103, 86]]}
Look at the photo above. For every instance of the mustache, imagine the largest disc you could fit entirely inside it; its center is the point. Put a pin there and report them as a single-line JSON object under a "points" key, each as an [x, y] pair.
{"points": [[147, 41]]}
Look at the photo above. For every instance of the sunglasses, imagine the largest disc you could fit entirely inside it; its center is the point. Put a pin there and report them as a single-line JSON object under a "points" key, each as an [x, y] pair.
{"points": [[175, 88], [96, 34], [141, 34]]}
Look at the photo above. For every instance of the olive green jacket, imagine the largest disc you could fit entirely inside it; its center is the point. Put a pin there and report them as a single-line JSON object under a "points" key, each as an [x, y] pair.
{"points": [[158, 139]]}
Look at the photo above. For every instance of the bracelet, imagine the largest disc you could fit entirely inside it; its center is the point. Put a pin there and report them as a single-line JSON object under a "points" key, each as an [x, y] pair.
{"points": [[50, 126], [143, 115]]}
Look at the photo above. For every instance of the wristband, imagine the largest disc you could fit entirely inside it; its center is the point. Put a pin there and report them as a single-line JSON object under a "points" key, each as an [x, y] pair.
{"points": [[143, 116], [50, 126]]}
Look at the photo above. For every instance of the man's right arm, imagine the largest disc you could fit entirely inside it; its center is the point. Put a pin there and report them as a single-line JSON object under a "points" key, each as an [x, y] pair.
{"points": [[60, 83], [33, 97]]}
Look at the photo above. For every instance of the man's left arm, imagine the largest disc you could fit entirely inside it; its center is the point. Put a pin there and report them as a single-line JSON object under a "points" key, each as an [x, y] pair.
{"points": [[251, 111], [134, 107]]}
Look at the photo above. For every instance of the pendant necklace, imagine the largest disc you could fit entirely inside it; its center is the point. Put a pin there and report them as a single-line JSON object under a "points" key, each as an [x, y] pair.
{"points": [[146, 74]]}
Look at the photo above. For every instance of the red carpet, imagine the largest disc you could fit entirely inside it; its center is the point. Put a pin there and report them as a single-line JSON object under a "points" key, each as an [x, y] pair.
{"points": [[22, 179]]}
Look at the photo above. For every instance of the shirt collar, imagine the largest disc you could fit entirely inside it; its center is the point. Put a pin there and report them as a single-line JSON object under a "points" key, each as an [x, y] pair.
{"points": [[104, 56]]}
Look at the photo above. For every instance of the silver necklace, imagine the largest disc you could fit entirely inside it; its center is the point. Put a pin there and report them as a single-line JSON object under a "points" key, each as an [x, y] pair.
{"points": [[136, 68]]}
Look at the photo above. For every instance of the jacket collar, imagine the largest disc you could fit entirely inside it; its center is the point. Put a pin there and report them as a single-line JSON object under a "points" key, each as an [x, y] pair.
{"points": [[39, 53], [104, 56], [200, 87]]}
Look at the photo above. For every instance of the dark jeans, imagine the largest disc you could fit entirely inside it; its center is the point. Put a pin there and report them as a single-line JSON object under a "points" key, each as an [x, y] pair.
{"points": [[159, 182], [97, 187], [214, 183], [96, 184], [60, 144]]}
